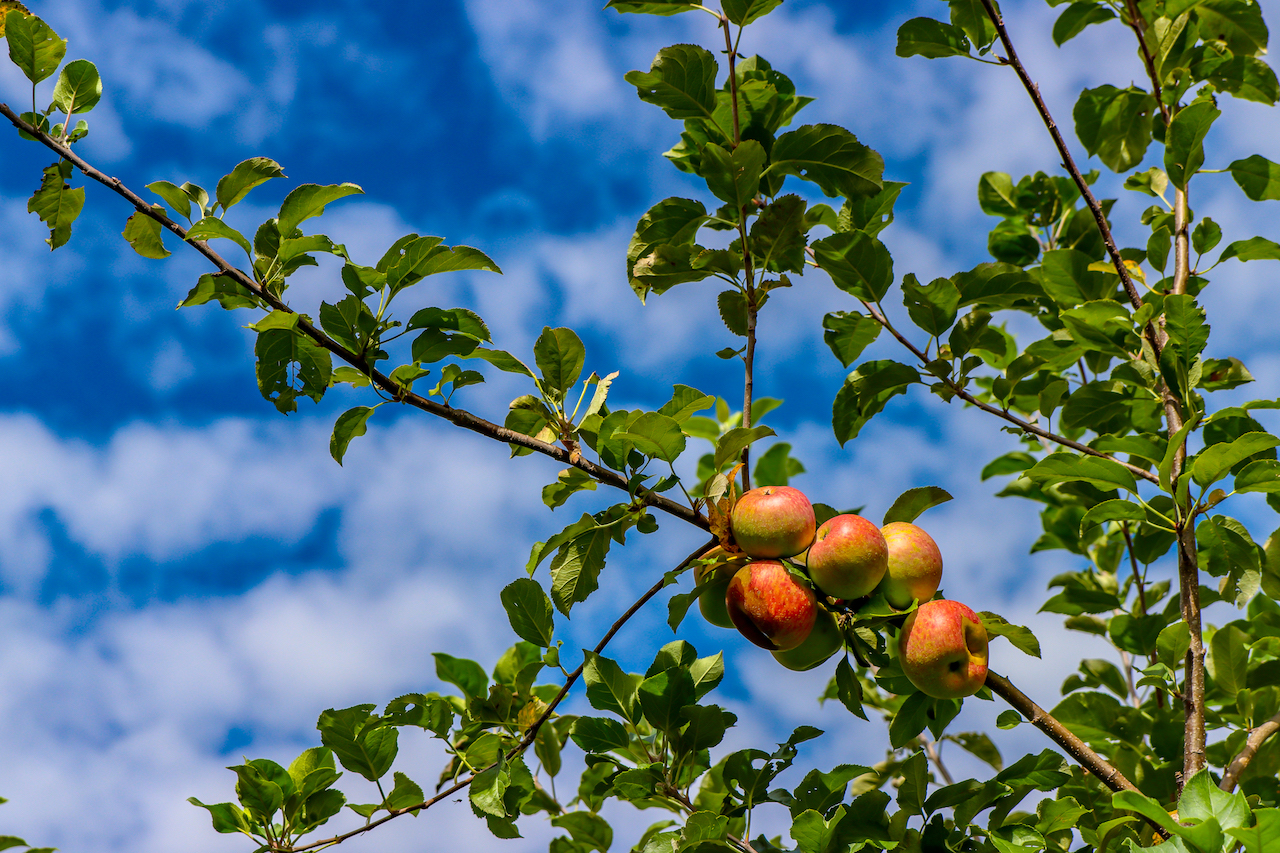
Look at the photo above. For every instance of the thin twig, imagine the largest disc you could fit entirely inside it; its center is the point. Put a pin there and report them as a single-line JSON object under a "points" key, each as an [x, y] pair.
{"points": [[934, 754], [532, 732], [1024, 425], [458, 417], [1251, 745]]}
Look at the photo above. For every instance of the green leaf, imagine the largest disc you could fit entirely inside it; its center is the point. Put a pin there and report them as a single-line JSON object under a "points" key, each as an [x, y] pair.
{"points": [[467, 675], [858, 264], [733, 442], [1262, 475], [872, 214], [1213, 463], [357, 742], [932, 308], [56, 203], [1070, 468], [309, 200], [172, 196], [1076, 17], [406, 793], [1258, 177], [227, 817], [743, 12], [247, 174], [733, 311], [778, 235], [1115, 124], [672, 222], [865, 393], [830, 157], [1113, 510], [212, 227], [1136, 634], [681, 81], [848, 333], [1239, 24], [1253, 249], [911, 503], [910, 720], [661, 697], [1014, 242], [1228, 661], [589, 830], [776, 467], [847, 688], [979, 745], [289, 365], [1184, 141], [79, 88], [734, 176], [350, 424], [222, 288], [611, 689], [599, 734], [33, 46], [143, 233], [529, 611], [1264, 835], [931, 39], [575, 568], [559, 356], [656, 435], [653, 7], [488, 789], [1021, 638], [996, 194]]}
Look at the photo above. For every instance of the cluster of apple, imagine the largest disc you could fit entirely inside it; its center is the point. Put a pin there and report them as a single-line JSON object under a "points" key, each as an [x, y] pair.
{"points": [[942, 645]]}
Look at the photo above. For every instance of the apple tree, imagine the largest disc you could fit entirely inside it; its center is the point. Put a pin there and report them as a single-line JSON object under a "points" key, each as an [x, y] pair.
{"points": [[1109, 406]]}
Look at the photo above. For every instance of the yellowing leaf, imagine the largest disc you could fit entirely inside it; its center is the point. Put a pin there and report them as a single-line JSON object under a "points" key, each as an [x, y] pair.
{"points": [[7, 6]]}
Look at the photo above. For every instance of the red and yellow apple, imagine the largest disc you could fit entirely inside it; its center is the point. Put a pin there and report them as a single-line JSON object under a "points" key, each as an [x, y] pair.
{"points": [[769, 606], [943, 650], [823, 641], [716, 573], [915, 565], [773, 521], [848, 557]]}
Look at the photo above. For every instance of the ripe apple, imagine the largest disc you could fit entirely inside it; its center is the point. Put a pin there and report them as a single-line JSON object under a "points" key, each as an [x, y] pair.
{"points": [[943, 650], [915, 565], [823, 641], [773, 521], [848, 557], [719, 573], [769, 606]]}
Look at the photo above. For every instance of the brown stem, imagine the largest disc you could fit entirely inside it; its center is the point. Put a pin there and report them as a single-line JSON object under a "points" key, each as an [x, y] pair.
{"points": [[458, 417], [1193, 731], [748, 357], [934, 754], [530, 735], [1025, 426], [1138, 25], [1068, 161], [1251, 745]]}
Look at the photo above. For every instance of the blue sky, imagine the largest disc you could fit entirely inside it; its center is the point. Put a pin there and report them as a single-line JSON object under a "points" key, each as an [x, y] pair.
{"points": [[186, 576]]}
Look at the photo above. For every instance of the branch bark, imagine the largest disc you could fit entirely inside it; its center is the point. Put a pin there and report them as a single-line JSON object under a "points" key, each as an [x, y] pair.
{"points": [[530, 735], [458, 417], [1059, 734], [1251, 745]]}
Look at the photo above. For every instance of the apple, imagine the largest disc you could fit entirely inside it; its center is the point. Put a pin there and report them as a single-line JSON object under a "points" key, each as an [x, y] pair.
{"points": [[719, 572], [769, 606], [915, 565], [823, 641], [848, 557], [943, 650], [773, 521]]}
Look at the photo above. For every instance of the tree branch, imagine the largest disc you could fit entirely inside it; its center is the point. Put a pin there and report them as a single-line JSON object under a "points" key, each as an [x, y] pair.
{"points": [[530, 735], [1068, 162], [1059, 734], [458, 417], [1004, 414], [1251, 746]]}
